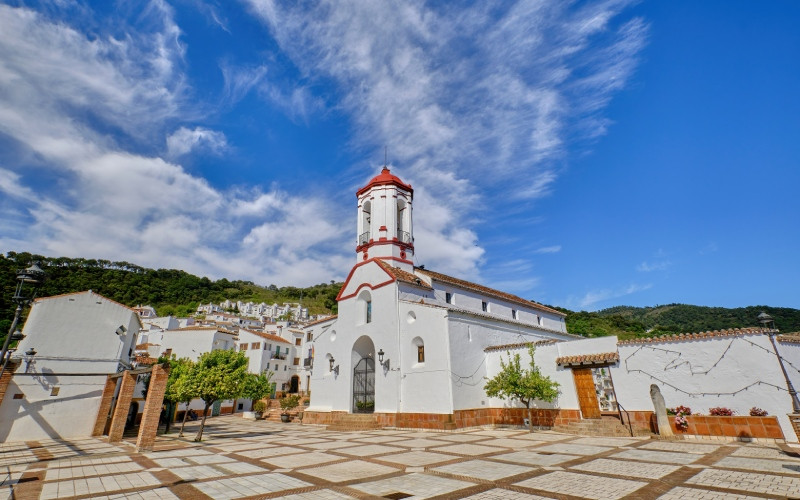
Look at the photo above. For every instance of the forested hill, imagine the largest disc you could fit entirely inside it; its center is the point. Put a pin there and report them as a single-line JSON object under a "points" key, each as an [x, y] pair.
{"points": [[168, 290], [631, 322], [179, 293]]}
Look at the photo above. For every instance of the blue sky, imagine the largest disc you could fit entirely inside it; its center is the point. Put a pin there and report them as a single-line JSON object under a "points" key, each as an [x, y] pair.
{"points": [[583, 154]]}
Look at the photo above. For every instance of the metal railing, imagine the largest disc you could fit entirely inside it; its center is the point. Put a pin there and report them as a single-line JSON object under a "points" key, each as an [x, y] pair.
{"points": [[363, 238], [404, 236], [620, 409]]}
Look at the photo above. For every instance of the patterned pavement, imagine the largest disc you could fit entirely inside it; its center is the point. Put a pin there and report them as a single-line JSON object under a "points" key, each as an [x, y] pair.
{"points": [[244, 459]]}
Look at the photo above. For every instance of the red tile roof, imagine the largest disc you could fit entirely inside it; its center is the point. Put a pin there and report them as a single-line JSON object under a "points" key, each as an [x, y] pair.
{"points": [[588, 359], [267, 336], [316, 322], [404, 276], [486, 290], [506, 347], [682, 337], [144, 359], [789, 338]]}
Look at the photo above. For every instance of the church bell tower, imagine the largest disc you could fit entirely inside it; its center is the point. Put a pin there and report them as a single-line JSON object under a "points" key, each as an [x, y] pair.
{"points": [[385, 225]]}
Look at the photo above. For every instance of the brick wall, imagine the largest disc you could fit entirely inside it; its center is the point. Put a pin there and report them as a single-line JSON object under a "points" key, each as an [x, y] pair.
{"points": [[11, 367], [747, 427]]}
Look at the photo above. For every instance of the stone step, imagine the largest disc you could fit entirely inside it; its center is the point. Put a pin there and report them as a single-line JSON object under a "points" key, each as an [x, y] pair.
{"points": [[354, 422], [599, 427]]}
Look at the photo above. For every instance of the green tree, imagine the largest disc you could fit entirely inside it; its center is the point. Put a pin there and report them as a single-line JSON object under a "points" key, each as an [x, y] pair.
{"points": [[217, 375], [257, 387], [524, 385], [180, 388]]}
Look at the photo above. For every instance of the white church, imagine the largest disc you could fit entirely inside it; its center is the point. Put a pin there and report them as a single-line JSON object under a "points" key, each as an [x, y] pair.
{"points": [[413, 348], [407, 340]]}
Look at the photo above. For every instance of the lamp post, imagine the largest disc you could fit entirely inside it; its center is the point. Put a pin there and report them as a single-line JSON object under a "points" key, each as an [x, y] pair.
{"points": [[31, 278], [765, 320]]}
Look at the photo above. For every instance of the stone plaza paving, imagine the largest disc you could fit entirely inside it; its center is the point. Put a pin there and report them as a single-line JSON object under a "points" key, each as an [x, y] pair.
{"points": [[244, 459]]}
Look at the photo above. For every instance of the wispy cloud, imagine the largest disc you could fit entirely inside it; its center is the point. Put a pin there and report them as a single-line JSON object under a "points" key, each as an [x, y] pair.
{"points": [[472, 100], [646, 267], [592, 298], [550, 249], [114, 197], [185, 140]]}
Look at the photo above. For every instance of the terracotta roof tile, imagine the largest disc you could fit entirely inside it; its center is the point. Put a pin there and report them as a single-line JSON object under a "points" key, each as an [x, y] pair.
{"points": [[682, 337], [506, 347], [267, 336], [789, 338], [486, 290], [588, 359], [404, 276], [316, 322], [144, 359]]}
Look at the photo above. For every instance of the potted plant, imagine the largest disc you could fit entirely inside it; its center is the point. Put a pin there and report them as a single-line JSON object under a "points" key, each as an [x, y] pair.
{"points": [[288, 404], [259, 407]]}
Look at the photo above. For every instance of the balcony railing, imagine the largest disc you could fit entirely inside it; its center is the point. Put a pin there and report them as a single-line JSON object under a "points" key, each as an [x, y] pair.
{"points": [[363, 238], [404, 236]]}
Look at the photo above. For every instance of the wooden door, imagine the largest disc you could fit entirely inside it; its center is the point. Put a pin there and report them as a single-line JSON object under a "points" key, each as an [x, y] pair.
{"points": [[587, 397]]}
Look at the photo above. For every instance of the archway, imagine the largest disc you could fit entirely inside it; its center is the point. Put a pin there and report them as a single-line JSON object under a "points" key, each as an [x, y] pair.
{"points": [[363, 369], [294, 384]]}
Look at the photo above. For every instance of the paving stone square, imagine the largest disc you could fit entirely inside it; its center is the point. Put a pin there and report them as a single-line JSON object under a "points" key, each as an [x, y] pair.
{"points": [[534, 458], [416, 485], [347, 471], [748, 482], [370, 450], [420, 458], [574, 449], [625, 468], [666, 457], [240, 459], [470, 449], [580, 485], [683, 493], [302, 460], [681, 447], [483, 469]]}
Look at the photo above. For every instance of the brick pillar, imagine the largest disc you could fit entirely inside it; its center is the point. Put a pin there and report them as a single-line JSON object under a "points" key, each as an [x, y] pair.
{"points": [[123, 405], [105, 407], [148, 428], [11, 367]]}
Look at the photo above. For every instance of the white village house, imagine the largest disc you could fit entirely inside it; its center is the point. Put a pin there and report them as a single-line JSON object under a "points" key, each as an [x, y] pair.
{"points": [[414, 348], [78, 339]]}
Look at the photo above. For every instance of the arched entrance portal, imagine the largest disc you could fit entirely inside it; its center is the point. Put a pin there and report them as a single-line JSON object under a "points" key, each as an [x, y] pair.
{"points": [[363, 366], [294, 384]]}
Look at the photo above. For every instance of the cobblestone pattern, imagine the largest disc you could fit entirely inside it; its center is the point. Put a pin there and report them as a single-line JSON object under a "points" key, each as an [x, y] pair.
{"points": [[241, 459]]}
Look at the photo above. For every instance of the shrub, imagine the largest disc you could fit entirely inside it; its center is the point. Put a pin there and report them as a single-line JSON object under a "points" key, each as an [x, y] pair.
{"points": [[290, 403], [679, 410], [259, 406], [758, 412], [721, 412]]}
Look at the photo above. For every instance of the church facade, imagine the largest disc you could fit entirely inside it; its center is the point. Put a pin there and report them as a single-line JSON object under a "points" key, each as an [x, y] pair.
{"points": [[409, 343]]}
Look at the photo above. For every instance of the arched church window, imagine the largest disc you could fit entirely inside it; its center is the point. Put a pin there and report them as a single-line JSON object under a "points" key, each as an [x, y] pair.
{"points": [[403, 234], [366, 223], [364, 305], [420, 345]]}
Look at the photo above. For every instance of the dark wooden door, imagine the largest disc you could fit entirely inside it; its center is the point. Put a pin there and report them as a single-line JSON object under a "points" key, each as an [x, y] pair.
{"points": [[587, 397]]}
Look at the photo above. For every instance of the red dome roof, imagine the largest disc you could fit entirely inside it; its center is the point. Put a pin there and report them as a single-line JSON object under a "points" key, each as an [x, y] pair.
{"points": [[385, 177]]}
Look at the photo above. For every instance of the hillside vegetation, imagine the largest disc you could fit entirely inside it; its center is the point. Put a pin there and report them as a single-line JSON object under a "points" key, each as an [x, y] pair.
{"points": [[179, 293], [632, 322], [168, 290]]}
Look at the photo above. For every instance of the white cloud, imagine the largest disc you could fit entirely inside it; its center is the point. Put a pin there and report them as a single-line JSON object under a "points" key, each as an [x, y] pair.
{"points": [[550, 249], [184, 140], [646, 267], [60, 91], [477, 104], [593, 297]]}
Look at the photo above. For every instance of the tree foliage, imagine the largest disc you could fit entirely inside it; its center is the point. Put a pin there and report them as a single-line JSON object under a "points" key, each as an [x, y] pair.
{"points": [[524, 385], [217, 375], [257, 387], [168, 290]]}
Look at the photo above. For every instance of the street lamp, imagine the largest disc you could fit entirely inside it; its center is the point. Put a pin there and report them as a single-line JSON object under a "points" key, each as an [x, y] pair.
{"points": [[765, 320], [31, 278]]}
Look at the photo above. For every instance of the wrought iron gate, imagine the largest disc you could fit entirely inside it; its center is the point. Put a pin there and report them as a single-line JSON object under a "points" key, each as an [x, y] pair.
{"points": [[364, 386]]}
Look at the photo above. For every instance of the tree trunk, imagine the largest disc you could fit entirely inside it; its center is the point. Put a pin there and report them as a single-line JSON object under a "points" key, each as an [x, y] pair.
{"points": [[169, 415], [199, 436], [530, 418], [185, 414]]}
